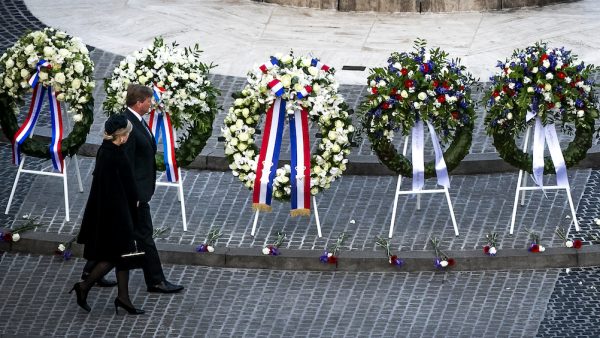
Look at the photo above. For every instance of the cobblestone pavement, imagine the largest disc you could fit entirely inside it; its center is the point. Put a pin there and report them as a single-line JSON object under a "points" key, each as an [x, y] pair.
{"points": [[240, 302]]}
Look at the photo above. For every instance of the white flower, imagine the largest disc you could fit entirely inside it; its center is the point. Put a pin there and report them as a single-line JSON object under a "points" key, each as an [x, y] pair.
{"points": [[25, 73], [549, 76], [26, 216], [422, 96], [597, 221], [509, 116], [61, 247], [78, 67], [287, 58], [569, 244], [60, 78], [493, 251], [48, 51], [580, 113], [542, 249], [444, 263], [210, 248], [77, 117], [9, 63], [266, 251], [60, 97], [76, 83], [16, 237], [534, 70]]}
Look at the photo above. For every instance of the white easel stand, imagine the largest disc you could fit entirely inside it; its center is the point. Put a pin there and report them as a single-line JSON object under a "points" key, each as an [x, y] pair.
{"points": [[418, 193], [523, 179], [48, 173], [180, 196], [316, 217]]}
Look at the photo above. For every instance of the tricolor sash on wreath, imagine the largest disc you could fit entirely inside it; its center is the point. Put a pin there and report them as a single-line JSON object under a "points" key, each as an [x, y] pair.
{"points": [[160, 125], [269, 157], [37, 100]]}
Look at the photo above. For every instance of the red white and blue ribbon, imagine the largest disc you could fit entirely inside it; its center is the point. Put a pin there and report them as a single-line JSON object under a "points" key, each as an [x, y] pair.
{"points": [[272, 62], [161, 126], [316, 63], [306, 90], [418, 157], [37, 100], [300, 175], [276, 87]]}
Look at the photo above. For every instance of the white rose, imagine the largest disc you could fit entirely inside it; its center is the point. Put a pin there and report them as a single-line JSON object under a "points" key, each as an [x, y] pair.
{"points": [[244, 137], [422, 96], [287, 59], [569, 244], [61, 247], [404, 94], [60, 78], [238, 102], [266, 251], [546, 63], [193, 76], [8, 82], [534, 70], [60, 97], [286, 80], [549, 76], [530, 89], [78, 67], [24, 73], [76, 84], [509, 116], [313, 71], [43, 76], [48, 51], [210, 248], [202, 96], [77, 117], [542, 249], [548, 87], [142, 79], [29, 49], [444, 263], [16, 237], [580, 113], [9, 63], [493, 251], [417, 105]]}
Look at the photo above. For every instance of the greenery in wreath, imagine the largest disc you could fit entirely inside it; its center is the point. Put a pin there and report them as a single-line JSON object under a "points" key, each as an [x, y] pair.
{"points": [[189, 97], [325, 107], [549, 82], [423, 84], [70, 73]]}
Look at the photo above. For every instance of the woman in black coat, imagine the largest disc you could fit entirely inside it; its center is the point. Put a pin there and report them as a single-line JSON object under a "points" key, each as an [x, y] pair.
{"points": [[108, 220]]}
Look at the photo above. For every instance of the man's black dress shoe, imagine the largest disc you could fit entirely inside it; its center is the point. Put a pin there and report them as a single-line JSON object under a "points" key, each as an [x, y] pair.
{"points": [[102, 282], [165, 287]]}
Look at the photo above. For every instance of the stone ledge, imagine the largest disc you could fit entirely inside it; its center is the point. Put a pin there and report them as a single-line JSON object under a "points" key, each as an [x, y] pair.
{"points": [[415, 6], [40, 243]]}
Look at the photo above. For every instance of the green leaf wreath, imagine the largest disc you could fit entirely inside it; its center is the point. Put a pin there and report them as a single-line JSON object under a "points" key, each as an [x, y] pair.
{"points": [[423, 84], [550, 83], [190, 98], [70, 75]]}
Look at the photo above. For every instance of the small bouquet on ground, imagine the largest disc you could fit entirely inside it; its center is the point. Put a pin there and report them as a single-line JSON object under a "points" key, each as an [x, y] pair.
{"points": [[392, 259], [577, 244], [442, 260], [491, 249], [157, 232], [209, 245], [535, 245], [64, 249], [273, 250], [14, 235], [330, 255]]}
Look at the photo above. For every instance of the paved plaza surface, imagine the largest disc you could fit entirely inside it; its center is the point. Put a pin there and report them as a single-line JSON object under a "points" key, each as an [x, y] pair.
{"points": [[246, 302]]}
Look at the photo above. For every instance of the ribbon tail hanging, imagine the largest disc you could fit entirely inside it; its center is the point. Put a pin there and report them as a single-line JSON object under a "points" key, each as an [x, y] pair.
{"points": [[440, 165], [300, 159], [29, 124], [57, 131], [418, 157], [539, 143], [560, 167], [268, 157]]}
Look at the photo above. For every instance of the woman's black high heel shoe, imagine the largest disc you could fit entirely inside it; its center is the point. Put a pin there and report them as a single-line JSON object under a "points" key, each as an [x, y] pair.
{"points": [[81, 300], [127, 308]]}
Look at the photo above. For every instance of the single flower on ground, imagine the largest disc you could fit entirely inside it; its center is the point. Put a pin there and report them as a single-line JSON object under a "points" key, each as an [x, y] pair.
{"points": [[209, 245], [273, 249], [330, 255]]}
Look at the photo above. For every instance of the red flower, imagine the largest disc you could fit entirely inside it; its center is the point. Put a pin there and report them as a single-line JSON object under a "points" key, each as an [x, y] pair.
{"points": [[435, 83], [8, 237], [445, 85], [561, 75], [332, 260], [425, 68], [543, 57], [495, 93], [308, 89], [399, 97], [441, 99], [577, 244], [393, 259], [451, 262], [486, 249], [408, 83], [535, 248], [374, 90], [455, 115], [385, 105], [403, 71], [462, 87], [550, 105], [393, 91]]}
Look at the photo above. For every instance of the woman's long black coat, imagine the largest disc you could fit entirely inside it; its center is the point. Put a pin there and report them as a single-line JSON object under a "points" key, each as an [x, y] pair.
{"points": [[108, 222]]}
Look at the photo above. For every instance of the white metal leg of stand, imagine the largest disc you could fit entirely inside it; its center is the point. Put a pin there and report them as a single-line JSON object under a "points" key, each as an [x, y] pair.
{"points": [[418, 192], [316, 217], [45, 173], [180, 196], [522, 188]]}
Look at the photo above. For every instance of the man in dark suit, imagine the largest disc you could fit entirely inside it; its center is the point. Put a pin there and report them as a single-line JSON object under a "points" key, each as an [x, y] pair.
{"points": [[140, 149]]}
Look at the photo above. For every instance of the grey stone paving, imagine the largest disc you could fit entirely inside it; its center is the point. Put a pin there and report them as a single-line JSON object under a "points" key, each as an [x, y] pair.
{"points": [[266, 303], [239, 302]]}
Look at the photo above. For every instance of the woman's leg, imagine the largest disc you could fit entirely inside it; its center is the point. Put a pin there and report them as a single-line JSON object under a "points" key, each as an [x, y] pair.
{"points": [[123, 286]]}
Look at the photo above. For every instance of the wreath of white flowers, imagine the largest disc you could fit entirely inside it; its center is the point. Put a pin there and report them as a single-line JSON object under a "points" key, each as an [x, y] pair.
{"points": [[324, 105], [70, 73], [190, 99]]}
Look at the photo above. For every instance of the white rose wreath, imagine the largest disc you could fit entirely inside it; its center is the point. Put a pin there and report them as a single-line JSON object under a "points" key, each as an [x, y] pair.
{"points": [[305, 84]]}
